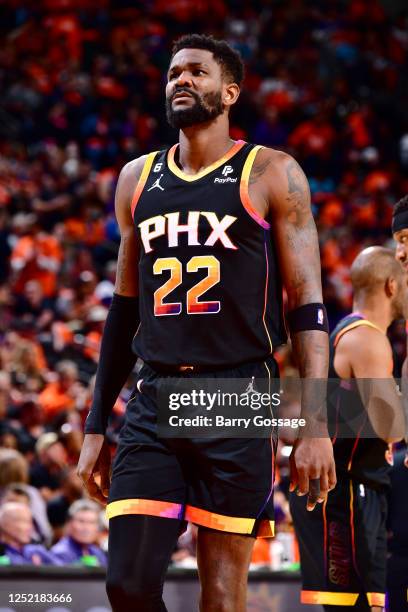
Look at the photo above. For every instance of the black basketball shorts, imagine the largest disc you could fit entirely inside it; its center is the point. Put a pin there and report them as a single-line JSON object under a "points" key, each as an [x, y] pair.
{"points": [[343, 545], [220, 483]]}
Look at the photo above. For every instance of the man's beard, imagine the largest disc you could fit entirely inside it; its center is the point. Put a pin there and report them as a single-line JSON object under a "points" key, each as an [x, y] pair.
{"points": [[399, 309], [206, 108]]}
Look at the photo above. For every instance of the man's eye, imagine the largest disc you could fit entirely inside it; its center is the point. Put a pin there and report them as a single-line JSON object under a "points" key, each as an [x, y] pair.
{"points": [[198, 71]]}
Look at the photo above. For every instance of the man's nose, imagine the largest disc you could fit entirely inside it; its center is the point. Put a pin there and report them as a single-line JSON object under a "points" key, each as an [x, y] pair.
{"points": [[184, 79]]}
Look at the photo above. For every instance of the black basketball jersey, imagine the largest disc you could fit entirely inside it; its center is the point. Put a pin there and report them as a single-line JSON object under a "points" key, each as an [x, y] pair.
{"points": [[357, 450], [209, 286]]}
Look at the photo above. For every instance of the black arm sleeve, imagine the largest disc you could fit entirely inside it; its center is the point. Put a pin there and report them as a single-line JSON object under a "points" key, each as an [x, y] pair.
{"points": [[116, 360]]}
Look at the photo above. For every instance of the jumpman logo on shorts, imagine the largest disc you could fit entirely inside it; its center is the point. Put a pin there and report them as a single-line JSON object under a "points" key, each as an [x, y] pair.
{"points": [[157, 184], [250, 387]]}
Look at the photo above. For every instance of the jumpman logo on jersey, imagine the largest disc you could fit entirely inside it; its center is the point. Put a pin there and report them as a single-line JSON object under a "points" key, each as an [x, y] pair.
{"points": [[250, 387], [157, 184]]}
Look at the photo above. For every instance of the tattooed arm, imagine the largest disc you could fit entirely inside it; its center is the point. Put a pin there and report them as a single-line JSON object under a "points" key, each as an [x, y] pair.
{"points": [[298, 249], [128, 256], [116, 359], [281, 192]]}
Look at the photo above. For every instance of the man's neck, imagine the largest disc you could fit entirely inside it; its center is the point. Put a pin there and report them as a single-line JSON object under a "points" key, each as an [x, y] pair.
{"points": [[378, 314], [201, 146]]}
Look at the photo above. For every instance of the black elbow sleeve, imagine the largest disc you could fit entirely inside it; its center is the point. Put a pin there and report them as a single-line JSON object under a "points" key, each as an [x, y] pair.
{"points": [[116, 360]]}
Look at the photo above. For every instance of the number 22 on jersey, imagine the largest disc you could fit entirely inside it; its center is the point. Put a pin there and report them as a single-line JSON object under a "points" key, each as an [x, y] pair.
{"points": [[194, 306]]}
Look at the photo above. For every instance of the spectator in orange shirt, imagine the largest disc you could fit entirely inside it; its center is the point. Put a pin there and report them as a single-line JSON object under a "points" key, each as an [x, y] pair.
{"points": [[87, 228], [314, 137], [59, 395], [36, 255]]}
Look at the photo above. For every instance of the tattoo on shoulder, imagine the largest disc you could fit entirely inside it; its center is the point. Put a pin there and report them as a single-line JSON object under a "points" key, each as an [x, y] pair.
{"points": [[301, 236], [258, 169], [295, 177], [299, 195]]}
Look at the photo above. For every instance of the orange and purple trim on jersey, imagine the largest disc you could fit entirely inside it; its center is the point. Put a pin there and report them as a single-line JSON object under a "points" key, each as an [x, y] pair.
{"points": [[266, 302], [199, 516], [359, 323], [266, 529], [328, 598], [219, 521], [142, 180], [353, 540], [150, 507], [376, 599], [337, 420], [244, 188], [195, 177], [231, 524], [325, 553], [339, 599], [357, 440]]}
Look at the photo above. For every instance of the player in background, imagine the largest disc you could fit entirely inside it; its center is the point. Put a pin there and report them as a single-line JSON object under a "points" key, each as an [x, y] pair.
{"points": [[208, 228], [343, 545], [397, 564], [400, 235]]}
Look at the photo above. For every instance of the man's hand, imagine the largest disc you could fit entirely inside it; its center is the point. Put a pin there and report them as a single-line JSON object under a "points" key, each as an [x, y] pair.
{"points": [[95, 460], [311, 460]]}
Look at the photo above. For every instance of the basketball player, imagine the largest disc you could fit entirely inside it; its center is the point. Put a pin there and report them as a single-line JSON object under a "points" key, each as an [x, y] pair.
{"points": [[400, 235], [208, 227], [397, 564], [343, 544]]}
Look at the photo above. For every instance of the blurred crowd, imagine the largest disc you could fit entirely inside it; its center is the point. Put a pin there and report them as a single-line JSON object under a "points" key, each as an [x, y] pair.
{"points": [[83, 93]]}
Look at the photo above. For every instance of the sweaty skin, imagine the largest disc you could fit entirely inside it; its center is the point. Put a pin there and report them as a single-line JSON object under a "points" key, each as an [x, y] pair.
{"points": [[277, 188]]}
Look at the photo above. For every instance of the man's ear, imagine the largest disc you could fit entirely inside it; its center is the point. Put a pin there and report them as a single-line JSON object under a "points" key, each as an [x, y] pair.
{"points": [[230, 94], [391, 286]]}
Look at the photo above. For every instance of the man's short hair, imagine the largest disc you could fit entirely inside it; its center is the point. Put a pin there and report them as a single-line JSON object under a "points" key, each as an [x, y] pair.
{"points": [[400, 206], [17, 489], [371, 268], [13, 467], [83, 505], [228, 58]]}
